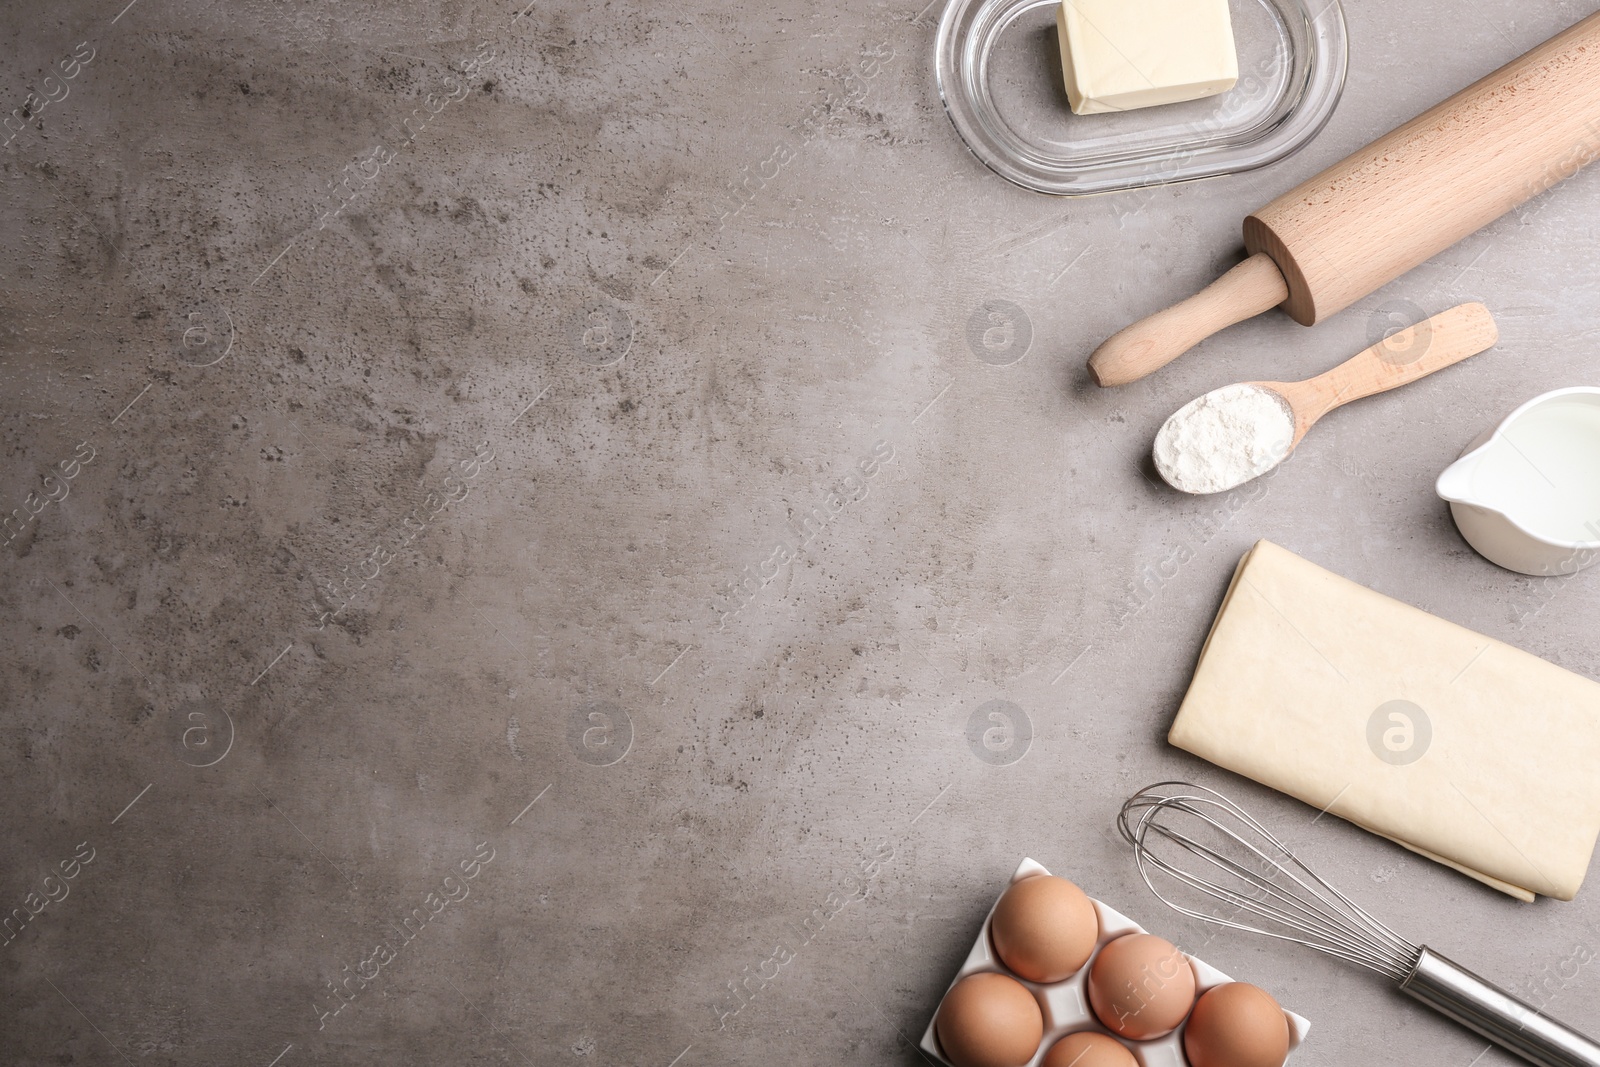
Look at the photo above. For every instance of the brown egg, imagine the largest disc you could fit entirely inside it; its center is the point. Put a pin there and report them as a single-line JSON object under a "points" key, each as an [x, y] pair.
{"points": [[1141, 986], [1044, 928], [989, 1020], [1237, 1025], [1088, 1049]]}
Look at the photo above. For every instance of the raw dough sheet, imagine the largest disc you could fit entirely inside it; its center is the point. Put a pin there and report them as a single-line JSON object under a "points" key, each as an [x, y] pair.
{"points": [[1297, 688]]}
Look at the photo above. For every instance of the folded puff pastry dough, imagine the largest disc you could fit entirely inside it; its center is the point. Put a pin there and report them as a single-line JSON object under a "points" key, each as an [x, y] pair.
{"points": [[1292, 688]]}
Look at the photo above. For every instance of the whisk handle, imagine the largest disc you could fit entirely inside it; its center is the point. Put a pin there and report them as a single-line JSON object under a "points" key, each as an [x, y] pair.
{"points": [[1514, 1025]]}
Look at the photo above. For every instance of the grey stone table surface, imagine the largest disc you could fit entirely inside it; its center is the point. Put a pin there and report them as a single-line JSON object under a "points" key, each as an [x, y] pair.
{"points": [[536, 497]]}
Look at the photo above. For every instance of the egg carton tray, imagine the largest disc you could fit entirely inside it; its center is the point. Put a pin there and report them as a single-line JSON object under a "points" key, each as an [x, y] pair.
{"points": [[1065, 1004]]}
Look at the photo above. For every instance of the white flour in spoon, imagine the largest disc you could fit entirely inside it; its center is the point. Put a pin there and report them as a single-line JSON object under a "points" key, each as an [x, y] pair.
{"points": [[1224, 439]]}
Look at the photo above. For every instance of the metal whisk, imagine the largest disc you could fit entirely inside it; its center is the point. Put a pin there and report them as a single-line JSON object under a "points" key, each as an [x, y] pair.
{"points": [[1175, 826]]}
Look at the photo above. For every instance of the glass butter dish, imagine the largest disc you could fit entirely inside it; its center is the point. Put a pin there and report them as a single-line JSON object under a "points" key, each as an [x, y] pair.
{"points": [[999, 70]]}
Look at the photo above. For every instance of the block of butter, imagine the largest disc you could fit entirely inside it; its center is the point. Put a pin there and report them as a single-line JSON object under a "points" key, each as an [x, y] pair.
{"points": [[1124, 54]]}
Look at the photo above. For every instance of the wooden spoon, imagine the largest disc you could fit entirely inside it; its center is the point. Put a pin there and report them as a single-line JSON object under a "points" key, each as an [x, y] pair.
{"points": [[1413, 353]]}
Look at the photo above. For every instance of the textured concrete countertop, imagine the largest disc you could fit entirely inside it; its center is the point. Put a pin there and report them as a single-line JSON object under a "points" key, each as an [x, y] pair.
{"points": [[398, 604]]}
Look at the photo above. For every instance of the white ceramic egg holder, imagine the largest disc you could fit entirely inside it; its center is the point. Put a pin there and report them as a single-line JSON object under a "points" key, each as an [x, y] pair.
{"points": [[1065, 1004]]}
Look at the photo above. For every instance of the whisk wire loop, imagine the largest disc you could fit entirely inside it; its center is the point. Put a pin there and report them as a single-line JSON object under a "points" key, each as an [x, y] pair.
{"points": [[1178, 829], [1259, 877]]}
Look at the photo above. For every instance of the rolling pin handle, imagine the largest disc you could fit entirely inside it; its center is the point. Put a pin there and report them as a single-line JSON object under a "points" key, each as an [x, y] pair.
{"points": [[1254, 286]]}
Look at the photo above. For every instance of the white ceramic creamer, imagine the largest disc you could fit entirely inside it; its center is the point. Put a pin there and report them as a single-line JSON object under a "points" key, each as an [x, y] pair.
{"points": [[1526, 494]]}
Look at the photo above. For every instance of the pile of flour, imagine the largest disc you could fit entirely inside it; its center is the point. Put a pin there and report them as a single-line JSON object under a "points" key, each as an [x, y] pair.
{"points": [[1224, 439]]}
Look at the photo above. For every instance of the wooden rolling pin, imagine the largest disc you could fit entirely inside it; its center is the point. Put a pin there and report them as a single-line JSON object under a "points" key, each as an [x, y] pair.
{"points": [[1403, 199]]}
